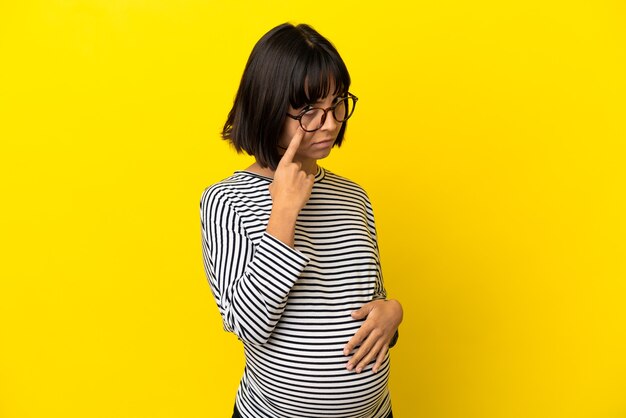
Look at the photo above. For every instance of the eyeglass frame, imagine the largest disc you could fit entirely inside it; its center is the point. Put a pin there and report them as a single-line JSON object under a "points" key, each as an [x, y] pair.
{"points": [[299, 116]]}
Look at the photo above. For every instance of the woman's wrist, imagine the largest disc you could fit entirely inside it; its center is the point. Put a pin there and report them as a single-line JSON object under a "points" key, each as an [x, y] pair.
{"points": [[282, 225], [399, 307]]}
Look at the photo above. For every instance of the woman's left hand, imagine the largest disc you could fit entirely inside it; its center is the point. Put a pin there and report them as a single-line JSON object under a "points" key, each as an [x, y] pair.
{"points": [[374, 336]]}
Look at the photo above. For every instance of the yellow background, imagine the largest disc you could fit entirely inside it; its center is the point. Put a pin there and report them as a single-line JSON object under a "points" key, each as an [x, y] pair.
{"points": [[489, 135]]}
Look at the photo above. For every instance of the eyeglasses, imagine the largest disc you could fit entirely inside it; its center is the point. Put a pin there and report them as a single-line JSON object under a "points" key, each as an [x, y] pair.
{"points": [[312, 118]]}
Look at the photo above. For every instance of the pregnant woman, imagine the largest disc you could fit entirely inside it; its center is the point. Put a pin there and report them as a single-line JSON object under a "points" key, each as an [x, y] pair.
{"points": [[290, 248]]}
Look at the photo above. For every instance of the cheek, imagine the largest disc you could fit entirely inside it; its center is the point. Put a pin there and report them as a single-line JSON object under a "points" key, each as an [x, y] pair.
{"points": [[285, 136], [289, 130]]}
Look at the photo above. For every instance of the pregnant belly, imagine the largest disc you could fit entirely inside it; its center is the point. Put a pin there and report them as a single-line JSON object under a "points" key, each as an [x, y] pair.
{"points": [[304, 374]]}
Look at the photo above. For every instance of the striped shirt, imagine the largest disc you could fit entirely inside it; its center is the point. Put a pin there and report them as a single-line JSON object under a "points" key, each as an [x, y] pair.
{"points": [[291, 307]]}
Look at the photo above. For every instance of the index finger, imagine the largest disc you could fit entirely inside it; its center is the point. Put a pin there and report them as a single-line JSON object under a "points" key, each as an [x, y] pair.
{"points": [[293, 146], [356, 339]]}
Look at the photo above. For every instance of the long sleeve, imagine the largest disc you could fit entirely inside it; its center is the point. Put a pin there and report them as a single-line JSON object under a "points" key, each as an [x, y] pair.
{"points": [[249, 280], [292, 308], [379, 290]]}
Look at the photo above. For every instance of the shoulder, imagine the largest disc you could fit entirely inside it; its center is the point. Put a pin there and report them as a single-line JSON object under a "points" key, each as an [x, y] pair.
{"points": [[217, 190], [232, 188], [344, 185], [227, 188]]}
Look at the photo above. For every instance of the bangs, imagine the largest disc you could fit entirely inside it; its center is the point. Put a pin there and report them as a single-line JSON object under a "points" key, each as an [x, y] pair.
{"points": [[288, 65], [314, 77]]}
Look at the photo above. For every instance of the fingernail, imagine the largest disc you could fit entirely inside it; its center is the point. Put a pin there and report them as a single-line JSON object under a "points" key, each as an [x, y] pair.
{"points": [[349, 366], [359, 370], [374, 370]]}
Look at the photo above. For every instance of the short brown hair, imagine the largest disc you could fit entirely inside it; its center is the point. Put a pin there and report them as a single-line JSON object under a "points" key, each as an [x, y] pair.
{"points": [[289, 65]]}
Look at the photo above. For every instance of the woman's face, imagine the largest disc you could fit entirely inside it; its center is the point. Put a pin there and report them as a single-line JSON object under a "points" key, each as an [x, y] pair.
{"points": [[315, 145]]}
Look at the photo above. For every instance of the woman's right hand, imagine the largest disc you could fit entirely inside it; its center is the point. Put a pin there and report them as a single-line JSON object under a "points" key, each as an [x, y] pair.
{"points": [[292, 186], [290, 190]]}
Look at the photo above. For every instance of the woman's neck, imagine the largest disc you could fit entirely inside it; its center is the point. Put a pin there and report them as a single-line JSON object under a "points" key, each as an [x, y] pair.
{"points": [[309, 167]]}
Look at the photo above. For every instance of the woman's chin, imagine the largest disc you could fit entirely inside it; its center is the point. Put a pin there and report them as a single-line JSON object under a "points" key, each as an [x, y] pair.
{"points": [[321, 154]]}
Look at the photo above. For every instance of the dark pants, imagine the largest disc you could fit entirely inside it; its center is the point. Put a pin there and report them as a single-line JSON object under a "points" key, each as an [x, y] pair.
{"points": [[237, 415]]}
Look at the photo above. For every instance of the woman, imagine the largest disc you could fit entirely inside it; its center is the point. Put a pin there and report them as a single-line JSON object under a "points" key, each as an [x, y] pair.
{"points": [[290, 248]]}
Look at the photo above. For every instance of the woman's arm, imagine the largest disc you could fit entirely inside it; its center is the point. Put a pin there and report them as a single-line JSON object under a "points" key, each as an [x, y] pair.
{"points": [[251, 282], [382, 318], [290, 191]]}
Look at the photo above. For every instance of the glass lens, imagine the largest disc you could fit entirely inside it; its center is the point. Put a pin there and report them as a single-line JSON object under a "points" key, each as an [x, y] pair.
{"points": [[344, 109], [312, 119]]}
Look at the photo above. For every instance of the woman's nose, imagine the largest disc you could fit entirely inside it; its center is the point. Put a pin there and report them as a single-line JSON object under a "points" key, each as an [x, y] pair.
{"points": [[329, 123]]}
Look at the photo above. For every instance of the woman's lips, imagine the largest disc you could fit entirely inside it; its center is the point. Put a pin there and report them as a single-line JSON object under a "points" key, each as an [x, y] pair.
{"points": [[324, 142]]}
